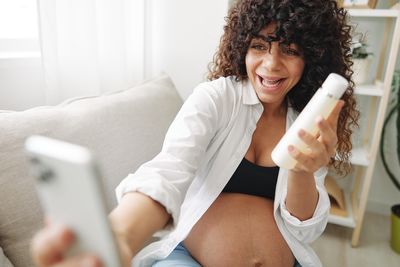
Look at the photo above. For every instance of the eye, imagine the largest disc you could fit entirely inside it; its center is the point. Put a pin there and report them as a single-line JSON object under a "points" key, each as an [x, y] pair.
{"points": [[290, 49], [259, 47]]}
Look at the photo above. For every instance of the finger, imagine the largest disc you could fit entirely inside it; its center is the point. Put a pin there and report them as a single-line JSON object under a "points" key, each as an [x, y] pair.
{"points": [[307, 162], [316, 156], [304, 162], [334, 116], [313, 144], [49, 245], [328, 136], [85, 260]]}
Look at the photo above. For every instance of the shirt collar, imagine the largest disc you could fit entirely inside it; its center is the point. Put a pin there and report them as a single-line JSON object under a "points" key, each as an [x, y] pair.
{"points": [[249, 94]]}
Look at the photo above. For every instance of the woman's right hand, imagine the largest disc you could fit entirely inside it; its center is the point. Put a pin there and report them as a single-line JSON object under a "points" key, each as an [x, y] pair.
{"points": [[134, 221], [50, 244]]}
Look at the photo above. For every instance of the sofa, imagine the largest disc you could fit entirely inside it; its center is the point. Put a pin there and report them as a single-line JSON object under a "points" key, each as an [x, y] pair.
{"points": [[123, 129]]}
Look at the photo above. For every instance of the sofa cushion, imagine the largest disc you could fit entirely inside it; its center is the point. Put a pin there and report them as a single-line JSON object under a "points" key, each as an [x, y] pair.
{"points": [[123, 129]]}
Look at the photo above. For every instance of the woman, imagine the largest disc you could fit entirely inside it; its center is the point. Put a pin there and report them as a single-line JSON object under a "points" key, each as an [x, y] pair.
{"points": [[214, 189]]}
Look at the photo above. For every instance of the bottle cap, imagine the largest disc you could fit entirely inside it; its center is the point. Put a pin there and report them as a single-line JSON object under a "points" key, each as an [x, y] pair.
{"points": [[335, 85]]}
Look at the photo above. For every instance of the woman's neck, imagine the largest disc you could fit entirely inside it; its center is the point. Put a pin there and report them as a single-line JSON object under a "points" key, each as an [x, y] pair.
{"points": [[274, 110]]}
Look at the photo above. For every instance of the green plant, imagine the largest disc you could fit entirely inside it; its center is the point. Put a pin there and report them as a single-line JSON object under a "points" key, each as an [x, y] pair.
{"points": [[394, 107], [359, 49]]}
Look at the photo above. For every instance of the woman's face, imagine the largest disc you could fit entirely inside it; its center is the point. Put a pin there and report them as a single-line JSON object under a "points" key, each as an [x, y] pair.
{"points": [[273, 68]]}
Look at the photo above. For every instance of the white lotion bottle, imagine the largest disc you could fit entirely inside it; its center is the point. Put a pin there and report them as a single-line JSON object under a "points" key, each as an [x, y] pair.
{"points": [[321, 104]]}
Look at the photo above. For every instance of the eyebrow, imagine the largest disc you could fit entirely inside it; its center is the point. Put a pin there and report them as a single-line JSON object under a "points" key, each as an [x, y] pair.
{"points": [[267, 39], [270, 39]]}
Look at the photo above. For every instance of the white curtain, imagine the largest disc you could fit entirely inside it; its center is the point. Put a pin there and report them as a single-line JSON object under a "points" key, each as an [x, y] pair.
{"points": [[91, 46]]}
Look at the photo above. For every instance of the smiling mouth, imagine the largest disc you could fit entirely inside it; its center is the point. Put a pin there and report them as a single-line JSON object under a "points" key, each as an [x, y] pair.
{"points": [[271, 83]]}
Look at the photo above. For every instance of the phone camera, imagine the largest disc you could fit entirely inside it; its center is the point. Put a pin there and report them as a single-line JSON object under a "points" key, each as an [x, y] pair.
{"points": [[40, 171], [45, 175], [34, 160]]}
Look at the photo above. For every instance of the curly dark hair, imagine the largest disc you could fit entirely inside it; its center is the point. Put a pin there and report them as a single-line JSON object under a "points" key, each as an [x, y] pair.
{"points": [[320, 29]]}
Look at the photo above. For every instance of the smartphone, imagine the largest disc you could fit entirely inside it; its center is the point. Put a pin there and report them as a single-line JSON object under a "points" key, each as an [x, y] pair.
{"points": [[69, 187]]}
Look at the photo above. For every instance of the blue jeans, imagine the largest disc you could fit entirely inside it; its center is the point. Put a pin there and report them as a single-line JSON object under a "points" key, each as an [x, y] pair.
{"points": [[180, 257]]}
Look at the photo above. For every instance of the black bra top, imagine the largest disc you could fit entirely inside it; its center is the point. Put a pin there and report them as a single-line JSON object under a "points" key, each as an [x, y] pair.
{"points": [[253, 179]]}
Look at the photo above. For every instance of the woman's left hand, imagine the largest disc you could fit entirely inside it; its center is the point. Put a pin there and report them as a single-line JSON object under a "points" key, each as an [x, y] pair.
{"points": [[321, 148]]}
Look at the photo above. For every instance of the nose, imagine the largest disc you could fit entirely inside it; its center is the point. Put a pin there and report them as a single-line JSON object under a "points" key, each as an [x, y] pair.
{"points": [[272, 60]]}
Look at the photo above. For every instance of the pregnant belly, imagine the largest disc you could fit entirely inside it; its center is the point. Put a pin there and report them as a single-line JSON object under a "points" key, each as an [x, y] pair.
{"points": [[239, 230]]}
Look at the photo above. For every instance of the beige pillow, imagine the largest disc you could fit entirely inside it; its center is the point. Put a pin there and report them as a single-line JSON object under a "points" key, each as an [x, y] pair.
{"points": [[123, 129]]}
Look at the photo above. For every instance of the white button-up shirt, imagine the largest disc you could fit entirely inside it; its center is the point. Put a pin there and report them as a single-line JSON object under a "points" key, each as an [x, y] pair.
{"points": [[202, 149]]}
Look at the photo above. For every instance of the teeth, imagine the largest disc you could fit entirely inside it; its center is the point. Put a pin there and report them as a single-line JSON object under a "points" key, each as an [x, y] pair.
{"points": [[270, 82]]}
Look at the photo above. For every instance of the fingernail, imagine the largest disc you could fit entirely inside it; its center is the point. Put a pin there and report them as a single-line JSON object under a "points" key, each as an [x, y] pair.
{"points": [[290, 148], [319, 119], [302, 133]]}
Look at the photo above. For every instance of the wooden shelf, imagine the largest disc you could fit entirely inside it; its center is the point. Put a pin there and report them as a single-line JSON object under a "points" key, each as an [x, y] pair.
{"points": [[374, 13], [369, 89], [348, 221], [359, 156], [364, 158]]}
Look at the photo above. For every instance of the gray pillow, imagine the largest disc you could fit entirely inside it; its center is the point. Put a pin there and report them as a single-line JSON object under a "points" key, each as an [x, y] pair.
{"points": [[123, 129]]}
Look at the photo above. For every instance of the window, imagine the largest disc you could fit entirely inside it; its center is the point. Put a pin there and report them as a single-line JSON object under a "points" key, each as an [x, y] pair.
{"points": [[19, 35]]}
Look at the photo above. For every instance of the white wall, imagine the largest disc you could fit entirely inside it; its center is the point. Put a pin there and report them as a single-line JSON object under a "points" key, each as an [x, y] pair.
{"points": [[185, 36]]}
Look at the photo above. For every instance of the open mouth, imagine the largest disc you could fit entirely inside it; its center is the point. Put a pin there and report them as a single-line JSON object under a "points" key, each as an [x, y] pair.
{"points": [[272, 83]]}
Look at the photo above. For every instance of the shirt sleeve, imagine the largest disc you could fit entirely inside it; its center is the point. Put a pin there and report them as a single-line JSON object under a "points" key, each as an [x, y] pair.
{"points": [[168, 175], [309, 230]]}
